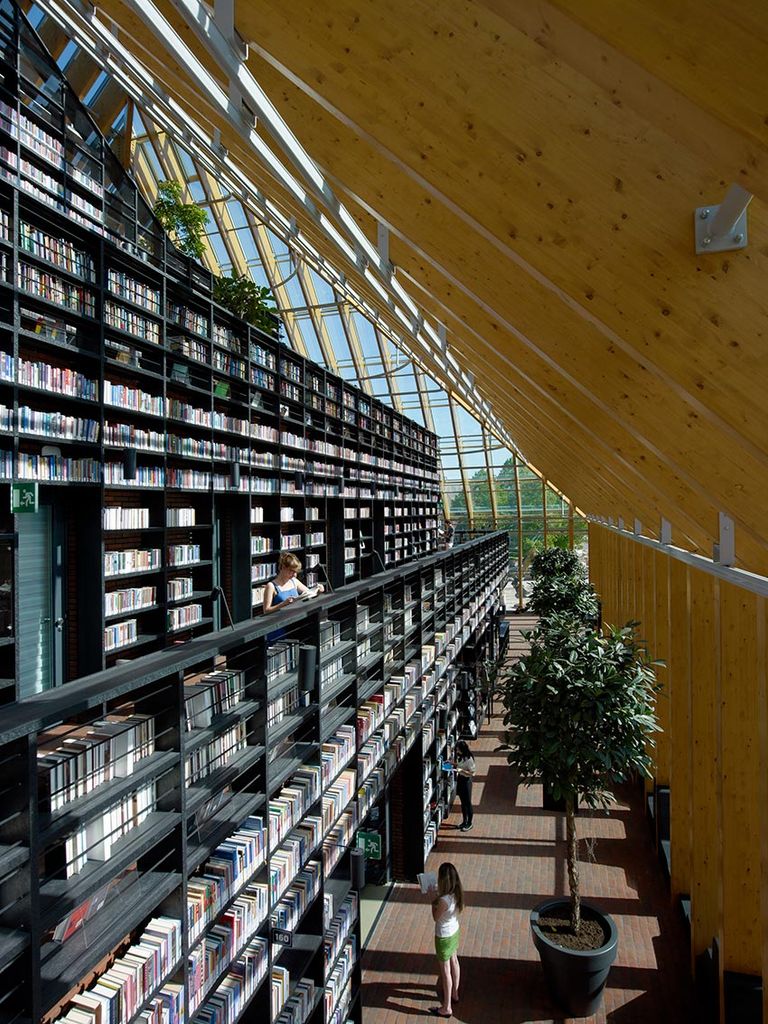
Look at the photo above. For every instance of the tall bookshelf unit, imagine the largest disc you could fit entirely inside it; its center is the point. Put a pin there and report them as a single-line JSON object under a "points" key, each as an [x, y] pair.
{"points": [[178, 448], [179, 829]]}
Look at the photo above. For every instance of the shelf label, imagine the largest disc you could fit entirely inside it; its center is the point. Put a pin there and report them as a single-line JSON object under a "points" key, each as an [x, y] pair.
{"points": [[24, 497], [282, 937], [370, 843]]}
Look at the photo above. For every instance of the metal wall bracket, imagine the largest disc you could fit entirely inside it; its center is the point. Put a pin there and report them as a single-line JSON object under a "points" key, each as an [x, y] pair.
{"points": [[723, 228]]}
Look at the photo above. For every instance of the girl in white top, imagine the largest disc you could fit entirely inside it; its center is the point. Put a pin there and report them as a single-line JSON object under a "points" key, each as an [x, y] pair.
{"points": [[447, 904]]}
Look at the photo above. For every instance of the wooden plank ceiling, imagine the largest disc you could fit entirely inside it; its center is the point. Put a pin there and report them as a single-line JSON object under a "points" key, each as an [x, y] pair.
{"points": [[538, 166]]}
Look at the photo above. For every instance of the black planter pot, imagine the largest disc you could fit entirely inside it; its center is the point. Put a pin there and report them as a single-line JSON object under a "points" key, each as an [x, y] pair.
{"points": [[575, 978]]}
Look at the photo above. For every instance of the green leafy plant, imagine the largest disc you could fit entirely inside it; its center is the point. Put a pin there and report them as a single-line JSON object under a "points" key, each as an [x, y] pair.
{"points": [[559, 586], [555, 561], [185, 222], [580, 710], [243, 297]]}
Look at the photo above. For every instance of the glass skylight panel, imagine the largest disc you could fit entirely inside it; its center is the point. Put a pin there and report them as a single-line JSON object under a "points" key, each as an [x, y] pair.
{"points": [[419, 395], [324, 292]]}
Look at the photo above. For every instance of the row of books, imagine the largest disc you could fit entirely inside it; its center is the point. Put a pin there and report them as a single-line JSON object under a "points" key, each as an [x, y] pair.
{"points": [[216, 753], [131, 560], [261, 571], [337, 931], [286, 704], [55, 379], [293, 800], [131, 322], [343, 1003], [56, 250], [232, 864], [180, 587], [297, 898], [286, 862], [263, 356], [338, 838], [229, 364], [126, 397], [225, 941], [120, 634], [282, 657], [211, 694], [336, 752], [54, 467], [242, 979], [94, 841], [226, 338], [183, 554], [372, 787], [74, 760], [300, 1004], [120, 991], [339, 976], [184, 618], [118, 518], [337, 796], [74, 297], [189, 318], [127, 287]]}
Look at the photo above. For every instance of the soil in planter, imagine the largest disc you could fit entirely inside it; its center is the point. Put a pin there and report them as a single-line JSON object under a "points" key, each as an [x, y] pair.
{"points": [[557, 928]]}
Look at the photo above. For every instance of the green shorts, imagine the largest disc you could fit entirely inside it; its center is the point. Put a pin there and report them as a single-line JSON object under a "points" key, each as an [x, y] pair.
{"points": [[446, 947]]}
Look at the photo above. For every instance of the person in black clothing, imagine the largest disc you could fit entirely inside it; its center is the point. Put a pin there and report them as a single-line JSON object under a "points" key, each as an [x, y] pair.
{"points": [[465, 771], [448, 533]]}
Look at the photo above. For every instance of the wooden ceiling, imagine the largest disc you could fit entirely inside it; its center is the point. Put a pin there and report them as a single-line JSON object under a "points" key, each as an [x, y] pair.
{"points": [[538, 166]]}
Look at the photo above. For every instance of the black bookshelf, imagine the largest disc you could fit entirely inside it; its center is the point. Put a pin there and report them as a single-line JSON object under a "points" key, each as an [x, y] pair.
{"points": [[178, 448], [338, 725]]}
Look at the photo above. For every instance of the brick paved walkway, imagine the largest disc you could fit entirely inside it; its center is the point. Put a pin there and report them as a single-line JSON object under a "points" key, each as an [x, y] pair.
{"points": [[513, 858]]}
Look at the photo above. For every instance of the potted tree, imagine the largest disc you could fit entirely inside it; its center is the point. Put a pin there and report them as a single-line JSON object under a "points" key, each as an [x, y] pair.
{"points": [[559, 585], [580, 708]]}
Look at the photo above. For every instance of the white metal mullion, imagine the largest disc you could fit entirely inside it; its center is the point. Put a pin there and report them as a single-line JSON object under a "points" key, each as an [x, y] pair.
{"points": [[460, 458], [491, 479], [392, 381], [269, 263], [355, 348], [324, 339], [222, 220]]}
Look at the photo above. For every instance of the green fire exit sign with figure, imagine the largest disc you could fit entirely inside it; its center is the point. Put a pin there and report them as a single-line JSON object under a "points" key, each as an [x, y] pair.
{"points": [[24, 497]]}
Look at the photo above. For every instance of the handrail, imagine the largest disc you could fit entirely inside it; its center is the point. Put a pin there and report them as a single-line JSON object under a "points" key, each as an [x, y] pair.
{"points": [[33, 714]]}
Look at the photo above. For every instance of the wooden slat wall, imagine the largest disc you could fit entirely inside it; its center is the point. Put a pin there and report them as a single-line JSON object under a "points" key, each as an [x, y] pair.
{"points": [[714, 711]]}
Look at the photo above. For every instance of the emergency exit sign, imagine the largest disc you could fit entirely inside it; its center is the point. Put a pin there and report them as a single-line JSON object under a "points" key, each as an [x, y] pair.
{"points": [[24, 497]]}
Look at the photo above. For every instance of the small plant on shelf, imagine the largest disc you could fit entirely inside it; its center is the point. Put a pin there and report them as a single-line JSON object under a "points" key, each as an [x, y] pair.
{"points": [[242, 296], [185, 222]]}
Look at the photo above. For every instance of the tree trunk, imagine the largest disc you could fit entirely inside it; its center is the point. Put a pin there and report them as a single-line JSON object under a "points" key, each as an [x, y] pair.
{"points": [[572, 858]]}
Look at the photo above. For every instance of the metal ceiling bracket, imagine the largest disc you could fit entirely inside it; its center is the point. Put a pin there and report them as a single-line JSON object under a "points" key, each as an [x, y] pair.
{"points": [[723, 228]]}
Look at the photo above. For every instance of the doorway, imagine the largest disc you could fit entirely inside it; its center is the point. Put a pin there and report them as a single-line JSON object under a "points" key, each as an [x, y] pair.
{"points": [[40, 588]]}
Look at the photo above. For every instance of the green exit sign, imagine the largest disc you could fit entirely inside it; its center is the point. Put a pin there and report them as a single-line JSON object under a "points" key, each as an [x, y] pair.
{"points": [[24, 497], [370, 843]]}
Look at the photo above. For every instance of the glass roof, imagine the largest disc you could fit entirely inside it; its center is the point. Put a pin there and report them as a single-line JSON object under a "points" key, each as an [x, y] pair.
{"points": [[484, 480]]}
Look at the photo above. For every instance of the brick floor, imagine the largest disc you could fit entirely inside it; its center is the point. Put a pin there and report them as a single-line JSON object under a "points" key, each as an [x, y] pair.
{"points": [[513, 858]]}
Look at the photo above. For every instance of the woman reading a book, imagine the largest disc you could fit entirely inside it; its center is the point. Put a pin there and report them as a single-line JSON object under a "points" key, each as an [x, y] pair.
{"points": [[447, 904], [286, 588]]}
